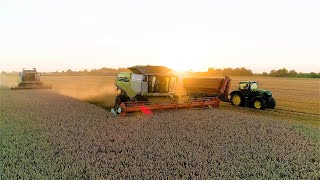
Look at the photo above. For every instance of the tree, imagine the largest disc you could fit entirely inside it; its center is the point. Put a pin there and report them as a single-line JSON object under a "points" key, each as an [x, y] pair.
{"points": [[292, 73]]}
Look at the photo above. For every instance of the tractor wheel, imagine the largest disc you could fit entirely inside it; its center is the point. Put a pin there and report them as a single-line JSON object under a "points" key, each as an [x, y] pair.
{"points": [[237, 100], [259, 104], [272, 103]]}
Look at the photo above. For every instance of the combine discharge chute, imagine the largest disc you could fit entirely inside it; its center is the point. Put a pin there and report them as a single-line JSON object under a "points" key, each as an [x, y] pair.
{"points": [[149, 88], [30, 79]]}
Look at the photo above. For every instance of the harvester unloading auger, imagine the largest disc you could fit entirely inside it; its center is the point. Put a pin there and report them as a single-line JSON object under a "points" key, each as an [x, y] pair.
{"points": [[30, 79], [148, 88]]}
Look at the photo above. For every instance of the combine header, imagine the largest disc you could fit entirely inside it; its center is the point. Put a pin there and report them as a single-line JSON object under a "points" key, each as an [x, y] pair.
{"points": [[147, 106], [149, 88], [30, 79]]}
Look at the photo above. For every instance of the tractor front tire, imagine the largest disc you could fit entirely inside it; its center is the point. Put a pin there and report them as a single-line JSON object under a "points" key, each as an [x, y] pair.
{"points": [[259, 104], [236, 99], [272, 103]]}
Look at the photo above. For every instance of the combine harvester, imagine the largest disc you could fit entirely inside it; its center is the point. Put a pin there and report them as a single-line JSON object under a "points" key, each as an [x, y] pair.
{"points": [[30, 79], [148, 88]]}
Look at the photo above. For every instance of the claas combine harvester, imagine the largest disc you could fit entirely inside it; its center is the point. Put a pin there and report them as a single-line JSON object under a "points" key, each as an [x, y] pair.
{"points": [[148, 88], [30, 79]]}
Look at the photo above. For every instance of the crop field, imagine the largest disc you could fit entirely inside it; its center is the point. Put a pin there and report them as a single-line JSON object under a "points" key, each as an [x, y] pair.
{"points": [[58, 134]]}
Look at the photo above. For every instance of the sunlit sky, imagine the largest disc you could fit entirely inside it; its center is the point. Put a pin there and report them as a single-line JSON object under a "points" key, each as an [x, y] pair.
{"points": [[181, 34]]}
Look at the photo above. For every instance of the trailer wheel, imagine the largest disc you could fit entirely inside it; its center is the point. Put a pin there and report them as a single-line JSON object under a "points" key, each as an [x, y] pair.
{"points": [[236, 99], [259, 104]]}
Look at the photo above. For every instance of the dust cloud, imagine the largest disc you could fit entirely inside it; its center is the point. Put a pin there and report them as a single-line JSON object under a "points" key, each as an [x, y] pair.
{"points": [[8, 80], [99, 90]]}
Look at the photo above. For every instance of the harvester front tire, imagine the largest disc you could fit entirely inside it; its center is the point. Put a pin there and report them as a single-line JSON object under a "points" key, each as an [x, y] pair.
{"points": [[236, 99], [259, 104], [272, 103], [120, 99]]}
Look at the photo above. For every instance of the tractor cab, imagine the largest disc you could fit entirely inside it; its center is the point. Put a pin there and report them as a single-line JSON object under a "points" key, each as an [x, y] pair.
{"points": [[248, 85]]}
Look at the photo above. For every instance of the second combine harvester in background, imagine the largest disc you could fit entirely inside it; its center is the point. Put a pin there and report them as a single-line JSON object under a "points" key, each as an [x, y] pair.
{"points": [[30, 79], [154, 88]]}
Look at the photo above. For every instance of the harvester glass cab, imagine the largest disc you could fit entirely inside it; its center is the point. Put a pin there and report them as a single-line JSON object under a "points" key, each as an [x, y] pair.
{"points": [[29, 75], [146, 81]]}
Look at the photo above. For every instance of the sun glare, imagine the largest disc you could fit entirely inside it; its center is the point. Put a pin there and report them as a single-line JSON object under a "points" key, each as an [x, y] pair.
{"points": [[182, 62]]}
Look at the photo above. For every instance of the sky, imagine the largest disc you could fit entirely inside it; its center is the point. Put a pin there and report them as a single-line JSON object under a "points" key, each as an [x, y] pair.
{"points": [[181, 34]]}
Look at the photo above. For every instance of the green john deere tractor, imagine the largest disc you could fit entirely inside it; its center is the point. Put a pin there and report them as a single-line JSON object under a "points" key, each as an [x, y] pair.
{"points": [[249, 95]]}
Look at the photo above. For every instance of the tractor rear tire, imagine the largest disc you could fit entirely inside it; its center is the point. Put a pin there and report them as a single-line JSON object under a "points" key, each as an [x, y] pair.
{"points": [[259, 104], [237, 99], [272, 103]]}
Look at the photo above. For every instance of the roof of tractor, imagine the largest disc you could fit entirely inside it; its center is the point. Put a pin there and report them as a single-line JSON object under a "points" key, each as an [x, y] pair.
{"points": [[29, 70], [151, 70], [247, 82]]}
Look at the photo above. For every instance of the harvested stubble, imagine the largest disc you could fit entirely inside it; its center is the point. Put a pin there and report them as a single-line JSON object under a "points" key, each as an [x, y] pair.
{"points": [[47, 135]]}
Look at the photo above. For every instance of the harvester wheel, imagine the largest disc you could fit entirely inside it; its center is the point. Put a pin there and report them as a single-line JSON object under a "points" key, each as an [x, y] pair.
{"points": [[236, 99], [119, 99], [259, 104], [272, 103]]}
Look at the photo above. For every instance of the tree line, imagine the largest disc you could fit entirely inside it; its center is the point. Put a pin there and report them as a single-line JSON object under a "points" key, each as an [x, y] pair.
{"points": [[290, 73], [248, 72], [211, 72], [102, 71]]}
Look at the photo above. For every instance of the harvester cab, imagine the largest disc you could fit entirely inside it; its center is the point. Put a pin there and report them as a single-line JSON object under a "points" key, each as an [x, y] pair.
{"points": [[250, 95], [30, 79], [148, 87], [145, 82]]}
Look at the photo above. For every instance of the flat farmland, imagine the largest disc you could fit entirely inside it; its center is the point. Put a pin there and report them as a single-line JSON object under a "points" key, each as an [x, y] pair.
{"points": [[297, 98], [57, 134]]}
